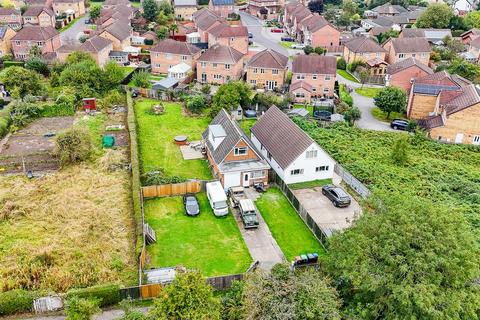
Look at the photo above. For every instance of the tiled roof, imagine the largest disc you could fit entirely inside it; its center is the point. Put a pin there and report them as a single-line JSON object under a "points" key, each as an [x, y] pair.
{"points": [[35, 11], [119, 30], [475, 42], [375, 31], [3, 31], [224, 30], [205, 19], [375, 62], [363, 45], [221, 54], [116, 2], [282, 138], [314, 22], [410, 45], [95, 44], [314, 64], [431, 122], [474, 31], [8, 11], [300, 13], [469, 97], [185, 3], [301, 85], [429, 34], [35, 33], [407, 63], [268, 59], [175, 47], [223, 2], [66, 1], [388, 8]]}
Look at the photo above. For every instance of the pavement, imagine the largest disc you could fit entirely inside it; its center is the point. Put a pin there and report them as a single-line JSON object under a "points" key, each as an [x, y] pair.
{"points": [[365, 104], [72, 34], [260, 242]]}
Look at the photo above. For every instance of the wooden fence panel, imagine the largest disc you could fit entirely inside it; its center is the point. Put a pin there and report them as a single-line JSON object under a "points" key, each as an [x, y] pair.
{"points": [[175, 189], [143, 257], [150, 290], [224, 282]]}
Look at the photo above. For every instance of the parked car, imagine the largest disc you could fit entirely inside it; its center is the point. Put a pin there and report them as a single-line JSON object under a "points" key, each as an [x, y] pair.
{"points": [[191, 205], [298, 46], [250, 35], [217, 198], [236, 194], [288, 39], [399, 124], [135, 93], [322, 115], [248, 212], [88, 21], [276, 30], [337, 195]]}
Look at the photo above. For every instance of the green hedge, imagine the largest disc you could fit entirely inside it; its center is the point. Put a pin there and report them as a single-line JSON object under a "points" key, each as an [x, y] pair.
{"points": [[57, 110], [107, 294], [4, 120], [15, 301], [345, 96], [7, 64]]}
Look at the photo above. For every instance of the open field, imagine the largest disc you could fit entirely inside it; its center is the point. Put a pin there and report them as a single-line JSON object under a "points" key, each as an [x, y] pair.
{"points": [[69, 229], [207, 243], [368, 92], [446, 174], [288, 229], [382, 116], [156, 133]]}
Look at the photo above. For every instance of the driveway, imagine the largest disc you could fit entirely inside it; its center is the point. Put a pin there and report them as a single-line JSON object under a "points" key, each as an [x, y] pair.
{"points": [[322, 210], [365, 104], [260, 242], [72, 34]]}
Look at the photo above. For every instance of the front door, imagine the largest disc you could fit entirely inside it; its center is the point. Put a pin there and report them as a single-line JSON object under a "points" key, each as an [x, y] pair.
{"points": [[204, 77], [271, 85], [246, 182], [459, 138]]}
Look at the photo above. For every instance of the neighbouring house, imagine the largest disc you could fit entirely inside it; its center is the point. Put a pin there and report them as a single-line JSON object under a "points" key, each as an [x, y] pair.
{"points": [[293, 155], [463, 7], [113, 3], [6, 35], [219, 64], [38, 3], [74, 7], [223, 8], [447, 106], [234, 159], [384, 22], [389, 10], [402, 48], [45, 38], [319, 72], [184, 9], [119, 33], [11, 17], [99, 48], [41, 16], [434, 36], [205, 20], [168, 53], [316, 31], [362, 49], [402, 73], [120, 57], [180, 71], [295, 13], [267, 70], [473, 52], [265, 9], [235, 37], [469, 35]]}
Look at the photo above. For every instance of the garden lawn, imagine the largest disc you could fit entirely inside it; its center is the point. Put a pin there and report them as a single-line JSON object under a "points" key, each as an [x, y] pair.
{"points": [[286, 44], [368, 92], [382, 116], [309, 184], [247, 125], [127, 70], [288, 229], [308, 107], [156, 144], [151, 78], [206, 243], [346, 75]]}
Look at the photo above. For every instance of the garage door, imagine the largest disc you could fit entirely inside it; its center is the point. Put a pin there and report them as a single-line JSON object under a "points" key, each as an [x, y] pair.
{"points": [[231, 180]]}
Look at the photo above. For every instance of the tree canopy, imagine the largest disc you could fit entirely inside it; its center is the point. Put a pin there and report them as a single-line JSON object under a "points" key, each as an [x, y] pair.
{"points": [[437, 15], [391, 99], [231, 95], [150, 10], [21, 81], [410, 259], [465, 69], [472, 19]]}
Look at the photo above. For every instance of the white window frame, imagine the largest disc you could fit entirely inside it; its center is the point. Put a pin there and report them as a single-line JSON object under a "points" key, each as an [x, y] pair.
{"points": [[240, 151], [296, 172], [274, 71], [322, 168], [257, 174], [310, 154], [401, 55]]}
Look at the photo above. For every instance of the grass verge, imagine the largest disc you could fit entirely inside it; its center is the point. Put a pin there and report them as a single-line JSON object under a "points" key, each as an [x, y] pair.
{"points": [[368, 92], [346, 75], [288, 229], [155, 138], [382, 116], [207, 243], [286, 44], [309, 184]]}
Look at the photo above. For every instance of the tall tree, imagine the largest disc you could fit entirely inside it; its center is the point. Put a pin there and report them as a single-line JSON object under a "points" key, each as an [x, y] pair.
{"points": [[465, 69], [437, 15], [95, 11], [187, 297], [21, 81], [410, 259], [391, 99], [150, 10], [472, 20], [230, 96]]}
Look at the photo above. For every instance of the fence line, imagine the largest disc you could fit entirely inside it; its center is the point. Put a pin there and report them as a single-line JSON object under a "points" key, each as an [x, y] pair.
{"points": [[351, 181], [172, 189]]}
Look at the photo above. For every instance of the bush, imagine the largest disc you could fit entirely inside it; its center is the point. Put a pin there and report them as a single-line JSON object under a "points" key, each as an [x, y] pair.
{"points": [[341, 64], [196, 104], [345, 96], [141, 79], [7, 64], [106, 294], [16, 301], [64, 106], [81, 309], [24, 111], [157, 177], [148, 42], [206, 88], [5, 120], [73, 146]]}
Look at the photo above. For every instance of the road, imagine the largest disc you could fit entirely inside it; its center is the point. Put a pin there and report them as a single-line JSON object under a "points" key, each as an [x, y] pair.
{"points": [[365, 104], [72, 34]]}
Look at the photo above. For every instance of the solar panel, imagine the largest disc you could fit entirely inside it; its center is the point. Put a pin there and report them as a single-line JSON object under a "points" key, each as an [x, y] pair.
{"points": [[432, 89]]}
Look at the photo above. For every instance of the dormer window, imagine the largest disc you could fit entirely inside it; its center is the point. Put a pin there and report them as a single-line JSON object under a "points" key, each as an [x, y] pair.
{"points": [[240, 151]]}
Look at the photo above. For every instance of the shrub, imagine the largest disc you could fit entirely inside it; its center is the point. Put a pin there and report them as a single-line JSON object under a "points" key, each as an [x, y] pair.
{"points": [[206, 88], [345, 96], [148, 42], [73, 146], [308, 49], [400, 151], [16, 301], [4, 120], [157, 177], [81, 309], [141, 79], [37, 64], [196, 104], [105, 294], [341, 64], [24, 111], [7, 64]]}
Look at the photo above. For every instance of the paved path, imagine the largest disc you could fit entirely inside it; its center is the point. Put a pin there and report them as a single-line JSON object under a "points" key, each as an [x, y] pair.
{"points": [[365, 104], [72, 34]]}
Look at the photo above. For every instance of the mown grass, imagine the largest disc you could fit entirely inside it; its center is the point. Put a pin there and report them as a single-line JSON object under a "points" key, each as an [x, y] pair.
{"points": [[308, 107], [368, 92], [346, 75], [69, 229], [288, 229], [206, 243], [309, 184], [286, 44], [247, 125], [151, 78], [382, 116], [156, 144]]}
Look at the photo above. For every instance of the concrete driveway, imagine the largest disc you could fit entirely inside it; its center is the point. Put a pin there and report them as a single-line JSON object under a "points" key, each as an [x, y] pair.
{"points": [[72, 34], [324, 213]]}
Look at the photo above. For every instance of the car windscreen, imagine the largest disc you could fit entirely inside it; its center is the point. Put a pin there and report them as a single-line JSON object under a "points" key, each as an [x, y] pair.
{"points": [[341, 193], [191, 201], [220, 204]]}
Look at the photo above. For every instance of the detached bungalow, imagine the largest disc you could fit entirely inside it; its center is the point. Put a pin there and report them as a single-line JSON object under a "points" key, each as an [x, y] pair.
{"points": [[293, 155], [233, 157]]}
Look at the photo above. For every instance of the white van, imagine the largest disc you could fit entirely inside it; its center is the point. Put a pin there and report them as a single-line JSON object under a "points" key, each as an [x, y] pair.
{"points": [[217, 197]]}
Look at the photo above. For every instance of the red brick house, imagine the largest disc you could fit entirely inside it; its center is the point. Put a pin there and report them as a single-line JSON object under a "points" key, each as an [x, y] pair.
{"points": [[265, 9], [46, 38], [168, 53], [235, 37], [316, 31], [267, 70], [223, 8], [402, 48], [402, 73], [205, 20], [219, 64], [41, 16], [11, 17]]}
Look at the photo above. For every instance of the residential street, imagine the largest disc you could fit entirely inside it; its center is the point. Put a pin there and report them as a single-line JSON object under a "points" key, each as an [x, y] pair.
{"points": [[71, 35]]}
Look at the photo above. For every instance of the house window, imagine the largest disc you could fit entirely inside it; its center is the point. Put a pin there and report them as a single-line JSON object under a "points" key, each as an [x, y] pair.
{"points": [[328, 78], [300, 76], [203, 64], [401, 55], [275, 71], [314, 89], [424, 55], [476, 139], [378, 54], [217, 76], [227, 66], [17, 43], [157, 55], [253, 82], [168, 56], [262, 70], [296, 172], [326, 90], [214, 65], [314, 77], [157, 65], [311, 154], [40, 43], [300, 94], [184, 58], [255, 70], [257, 174], [413, 55], [321, 168], [240, 151]]}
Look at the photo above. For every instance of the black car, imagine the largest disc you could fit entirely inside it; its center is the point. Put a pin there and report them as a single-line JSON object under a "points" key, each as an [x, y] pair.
{"points": [[250, 35], [399, 124], [337, 195], [288, 39], [191, 205], [322, 115]]}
